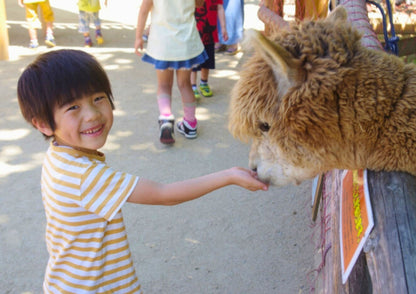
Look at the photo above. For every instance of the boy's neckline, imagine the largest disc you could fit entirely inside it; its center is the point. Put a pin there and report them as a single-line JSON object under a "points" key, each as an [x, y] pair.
{"points": [[85, 151]]}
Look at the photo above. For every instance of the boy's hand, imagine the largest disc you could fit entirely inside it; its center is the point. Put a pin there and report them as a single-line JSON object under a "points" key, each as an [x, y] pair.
{"points": [[247, 179]]}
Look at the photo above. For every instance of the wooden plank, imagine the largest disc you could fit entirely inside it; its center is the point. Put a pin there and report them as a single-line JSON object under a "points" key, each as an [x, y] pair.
{"points": [[359, 280], [391, 255], [407, 46], [4, 35], [388, 262]]}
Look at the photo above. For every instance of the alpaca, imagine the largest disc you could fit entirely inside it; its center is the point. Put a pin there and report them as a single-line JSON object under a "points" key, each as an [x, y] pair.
{"points": [[312, 99]]}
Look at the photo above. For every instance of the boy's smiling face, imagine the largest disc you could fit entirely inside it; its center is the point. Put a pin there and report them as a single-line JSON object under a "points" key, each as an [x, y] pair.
{"points": [[85, 123]]}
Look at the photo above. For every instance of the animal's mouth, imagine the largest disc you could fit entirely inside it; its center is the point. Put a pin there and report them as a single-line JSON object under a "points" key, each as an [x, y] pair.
{"points": [[264, 177]]}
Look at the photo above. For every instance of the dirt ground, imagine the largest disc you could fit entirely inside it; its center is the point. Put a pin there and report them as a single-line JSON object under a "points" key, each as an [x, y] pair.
{"points": [[231, 241]]}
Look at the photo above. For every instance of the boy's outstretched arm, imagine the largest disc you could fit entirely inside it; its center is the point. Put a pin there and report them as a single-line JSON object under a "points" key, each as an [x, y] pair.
{"points": [[149, 192]]}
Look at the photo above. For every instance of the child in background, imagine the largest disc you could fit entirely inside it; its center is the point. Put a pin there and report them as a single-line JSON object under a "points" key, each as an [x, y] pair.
{"points": [[173, 45], [32, 17], [82, 196], [234, 16], [89, 11], [206, 21]]}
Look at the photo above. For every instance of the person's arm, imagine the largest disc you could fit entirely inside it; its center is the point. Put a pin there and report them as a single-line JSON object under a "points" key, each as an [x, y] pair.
{"points": [[199, 3], [221, 18], [141, 23], [149, 192], [20, 2]]}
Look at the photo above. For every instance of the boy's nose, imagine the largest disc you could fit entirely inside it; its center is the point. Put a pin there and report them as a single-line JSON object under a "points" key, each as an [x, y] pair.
{"points": [[92, 113]]}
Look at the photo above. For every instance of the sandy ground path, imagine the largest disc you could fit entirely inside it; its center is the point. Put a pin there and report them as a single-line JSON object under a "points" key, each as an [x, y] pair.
{"points": [[231, 241]]}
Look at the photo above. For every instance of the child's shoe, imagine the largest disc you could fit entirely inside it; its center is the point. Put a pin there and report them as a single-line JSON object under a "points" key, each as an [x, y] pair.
{"points": [[99, 37], [196, 93], [205, 90], [166, 129], [50, 41], [185, 129], [87, 42], [33, 44]]}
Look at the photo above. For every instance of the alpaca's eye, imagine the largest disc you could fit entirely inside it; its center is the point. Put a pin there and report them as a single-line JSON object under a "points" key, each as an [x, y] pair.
{"points": [[264, 127]]}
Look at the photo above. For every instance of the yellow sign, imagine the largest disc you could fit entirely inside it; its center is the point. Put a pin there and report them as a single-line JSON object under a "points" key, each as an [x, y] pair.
{"points": [[356, 219]]}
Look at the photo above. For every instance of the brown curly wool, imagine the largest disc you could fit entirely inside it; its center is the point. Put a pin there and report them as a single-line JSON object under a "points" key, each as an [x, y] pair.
{"points": [[312, 99]]}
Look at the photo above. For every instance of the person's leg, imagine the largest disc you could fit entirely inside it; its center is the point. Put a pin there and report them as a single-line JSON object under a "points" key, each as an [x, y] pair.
{"points": [[164, 101], [33, 23], [84, 27], [164, 91], [204, 88], [49, 19], [187, 127], [98, 34], [203, 84], [204, 74], [194, 76]]}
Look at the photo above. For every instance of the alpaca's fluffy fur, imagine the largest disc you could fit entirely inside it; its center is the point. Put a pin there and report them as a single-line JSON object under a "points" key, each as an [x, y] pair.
{"points": [[312, 99]]}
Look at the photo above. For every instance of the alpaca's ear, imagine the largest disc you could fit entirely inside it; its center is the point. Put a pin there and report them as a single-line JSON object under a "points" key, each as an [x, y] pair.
{"points": [[279, 59], [338, 14]]}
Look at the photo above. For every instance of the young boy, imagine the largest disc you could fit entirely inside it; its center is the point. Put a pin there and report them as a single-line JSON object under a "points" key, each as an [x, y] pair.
{"points": [[207, 16], [32, 17], [66, 95]]}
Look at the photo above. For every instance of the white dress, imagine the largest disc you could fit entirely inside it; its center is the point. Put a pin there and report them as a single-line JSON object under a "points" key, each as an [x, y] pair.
{"points": [[173, 34]]}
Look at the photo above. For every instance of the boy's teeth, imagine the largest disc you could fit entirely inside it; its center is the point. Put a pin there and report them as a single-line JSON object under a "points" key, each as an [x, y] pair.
{"points": [[91, 131]]}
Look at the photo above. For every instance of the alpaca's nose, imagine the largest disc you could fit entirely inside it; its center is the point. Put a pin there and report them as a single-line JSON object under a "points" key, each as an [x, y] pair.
{"points": [[254, 169]]}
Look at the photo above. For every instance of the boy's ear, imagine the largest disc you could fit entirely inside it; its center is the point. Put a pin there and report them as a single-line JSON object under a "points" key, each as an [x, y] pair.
{"points": [[42, 127]]}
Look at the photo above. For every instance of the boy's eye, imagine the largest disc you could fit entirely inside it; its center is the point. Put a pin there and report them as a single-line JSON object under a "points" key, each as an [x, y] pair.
{"points": [[99, 98], [72, 107]]}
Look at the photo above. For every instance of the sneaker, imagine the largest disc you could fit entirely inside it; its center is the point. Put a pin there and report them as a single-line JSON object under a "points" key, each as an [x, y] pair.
{"points": [[87, 42], [196, 93], [33, 44], [50, 41], [205, 90], [99, 38], [185, 129], [166, 129]]}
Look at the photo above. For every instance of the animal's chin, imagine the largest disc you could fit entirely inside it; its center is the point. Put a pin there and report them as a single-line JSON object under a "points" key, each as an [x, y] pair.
{"points": [[278, 180]]}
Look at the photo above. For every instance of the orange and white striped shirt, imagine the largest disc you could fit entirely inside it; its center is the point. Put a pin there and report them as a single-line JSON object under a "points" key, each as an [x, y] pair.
{"points": [[85, 233]]}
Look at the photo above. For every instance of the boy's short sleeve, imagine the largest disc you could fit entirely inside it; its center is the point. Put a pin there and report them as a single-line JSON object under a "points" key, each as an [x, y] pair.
{"points": [[104, 190]]}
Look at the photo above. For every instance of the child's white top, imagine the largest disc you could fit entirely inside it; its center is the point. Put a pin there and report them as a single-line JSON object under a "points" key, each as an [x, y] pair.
{"points": [[85, 233], [173, 34]]}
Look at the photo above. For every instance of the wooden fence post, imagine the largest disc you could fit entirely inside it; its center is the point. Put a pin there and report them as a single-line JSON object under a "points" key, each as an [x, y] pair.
{"points": [[4, 35]]}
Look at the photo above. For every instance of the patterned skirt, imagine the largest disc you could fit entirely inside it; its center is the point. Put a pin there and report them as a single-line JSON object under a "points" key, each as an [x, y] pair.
{"points": [[179, 64]]}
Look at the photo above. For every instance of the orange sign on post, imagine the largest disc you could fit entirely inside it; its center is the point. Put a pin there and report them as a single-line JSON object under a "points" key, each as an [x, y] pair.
{"points": [[356, 219]]}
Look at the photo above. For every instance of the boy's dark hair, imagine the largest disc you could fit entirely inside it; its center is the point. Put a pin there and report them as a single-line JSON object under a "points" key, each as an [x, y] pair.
{"points": [[56, 78]]}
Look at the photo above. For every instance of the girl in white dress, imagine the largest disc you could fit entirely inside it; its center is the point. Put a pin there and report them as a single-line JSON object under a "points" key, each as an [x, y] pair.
{"points": [[173, 45]]}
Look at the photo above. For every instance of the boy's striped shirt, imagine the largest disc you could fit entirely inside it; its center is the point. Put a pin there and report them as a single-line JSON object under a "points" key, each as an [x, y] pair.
{"points": [[85, 233]]}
